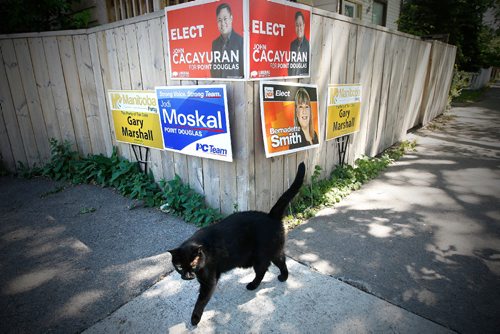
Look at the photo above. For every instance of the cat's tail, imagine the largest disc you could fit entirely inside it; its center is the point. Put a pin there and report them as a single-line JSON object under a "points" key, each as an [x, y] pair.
{"points": [[278, 209]]}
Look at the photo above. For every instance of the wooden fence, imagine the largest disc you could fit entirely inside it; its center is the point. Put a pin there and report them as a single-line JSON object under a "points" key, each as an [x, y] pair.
{"points": [[54, 85]]}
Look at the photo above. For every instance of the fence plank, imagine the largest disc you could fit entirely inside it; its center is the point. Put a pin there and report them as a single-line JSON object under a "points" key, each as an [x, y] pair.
{"points": [[68, 60], [338, 36], [196, 166], [244, 153], [122, 57], [7, 160], [395, 90], [102, 107], [322, 79], [262, 164], [148, 75], [43, 83], [20, 102], [158, 78], [229, 187], [112, 79], [374, 101], [133, 57], [14, 141], [322, 44], [32, 98], [365, 50], [58, 87], [398, 131], [448, 77], [123, 74], [88, 91], [417, 95]]}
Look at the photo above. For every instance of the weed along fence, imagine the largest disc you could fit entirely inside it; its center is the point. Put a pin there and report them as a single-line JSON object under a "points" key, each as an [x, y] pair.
{"points": [[55, 85]]}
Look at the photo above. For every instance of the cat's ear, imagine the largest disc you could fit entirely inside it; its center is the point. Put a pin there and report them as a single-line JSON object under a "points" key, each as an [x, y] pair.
{"points": [[198, 260], [199, 250]]}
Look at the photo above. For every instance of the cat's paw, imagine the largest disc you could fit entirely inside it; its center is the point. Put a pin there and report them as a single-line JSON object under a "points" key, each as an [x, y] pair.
{"points": [[252, 286], [195, 319], [283, 277]]}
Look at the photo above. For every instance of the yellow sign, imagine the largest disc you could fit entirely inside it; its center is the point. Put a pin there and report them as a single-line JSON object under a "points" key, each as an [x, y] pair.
{"points": [[343, 111], [136, 118]]}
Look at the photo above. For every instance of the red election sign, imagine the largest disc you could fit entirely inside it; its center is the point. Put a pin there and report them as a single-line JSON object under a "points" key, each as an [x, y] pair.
{"points": [[205, 40], [279, 39]]}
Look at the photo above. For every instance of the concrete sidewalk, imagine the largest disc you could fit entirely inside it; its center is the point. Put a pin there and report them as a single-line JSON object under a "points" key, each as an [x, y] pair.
{"points": [[308, 302], [71, 255], [77, 258]]}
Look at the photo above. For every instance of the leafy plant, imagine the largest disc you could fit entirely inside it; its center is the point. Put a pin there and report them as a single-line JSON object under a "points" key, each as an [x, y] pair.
{"points": [[183, 201], [86, 210], [342, 181], [26, 172], [127, 178], [459, 82]]}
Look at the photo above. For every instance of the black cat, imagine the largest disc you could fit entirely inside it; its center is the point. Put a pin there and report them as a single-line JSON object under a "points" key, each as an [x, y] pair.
{"points": [[243, 239]]}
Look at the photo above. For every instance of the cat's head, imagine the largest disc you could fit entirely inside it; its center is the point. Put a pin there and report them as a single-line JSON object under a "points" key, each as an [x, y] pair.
{"points": [[188, 260]]}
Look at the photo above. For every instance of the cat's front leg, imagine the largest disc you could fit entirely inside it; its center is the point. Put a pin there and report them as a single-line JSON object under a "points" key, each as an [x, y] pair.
{"points": [[207, 288]]}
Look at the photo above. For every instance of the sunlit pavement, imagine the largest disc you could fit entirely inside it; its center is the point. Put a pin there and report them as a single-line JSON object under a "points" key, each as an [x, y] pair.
{"points": [[308, 302]]}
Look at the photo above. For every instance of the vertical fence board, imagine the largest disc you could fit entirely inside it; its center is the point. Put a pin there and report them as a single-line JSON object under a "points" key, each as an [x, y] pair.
{"points": [[148, 56], [89, 92], [385, 93], [102, 109], [43, 83], [244, 154], [59, 90], [6, 154], [158, 78], [196, 167], [112, 78], [9, 119], [32, 98], [133, 57], [399, 53], [20, 102], [417, 95], [363, 75], [374, 101], [122, 59], [406, 73], [262, 164], [122, 76], [322, 45], [229, 187], [338, 35], [73, 88], [324, 78]]}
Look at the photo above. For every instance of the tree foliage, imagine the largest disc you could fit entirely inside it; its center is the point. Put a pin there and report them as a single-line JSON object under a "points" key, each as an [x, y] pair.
{"points": [[461, 20], [40, 15]]}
